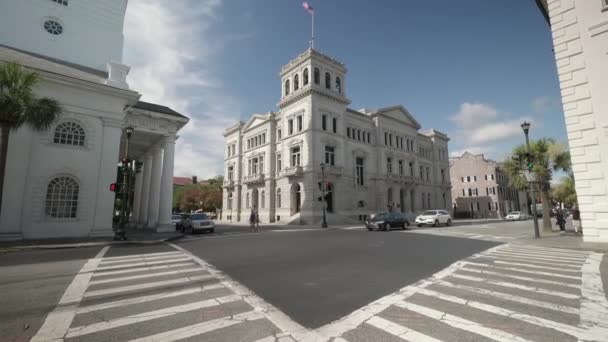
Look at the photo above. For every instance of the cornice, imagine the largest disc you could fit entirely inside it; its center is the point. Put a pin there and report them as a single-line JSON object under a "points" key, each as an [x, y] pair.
{"points": [[310, 91]]}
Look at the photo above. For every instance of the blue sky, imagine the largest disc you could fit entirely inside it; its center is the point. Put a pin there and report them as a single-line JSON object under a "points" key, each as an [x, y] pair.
{"points": [[472, 68]]}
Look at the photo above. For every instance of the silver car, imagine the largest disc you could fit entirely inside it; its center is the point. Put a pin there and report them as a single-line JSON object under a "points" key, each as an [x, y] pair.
{"points": [[197, 222], [434, 218]]}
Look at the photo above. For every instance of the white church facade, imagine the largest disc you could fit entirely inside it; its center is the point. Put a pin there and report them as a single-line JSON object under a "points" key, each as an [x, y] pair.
{"points": [[373, 160], [57, 182]]}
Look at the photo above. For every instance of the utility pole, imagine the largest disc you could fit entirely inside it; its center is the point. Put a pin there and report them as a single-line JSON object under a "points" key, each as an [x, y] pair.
{"points": [[324, 202], [531, 183]]}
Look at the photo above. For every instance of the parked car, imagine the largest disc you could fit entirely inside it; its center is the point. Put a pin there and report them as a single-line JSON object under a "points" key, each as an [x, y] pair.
{"points": [[196, 222], [387, 221], [175, 220], [516, 216], [434, 218]]}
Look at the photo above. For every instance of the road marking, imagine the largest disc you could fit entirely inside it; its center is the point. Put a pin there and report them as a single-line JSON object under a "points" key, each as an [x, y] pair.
{"points": [[116, 267], [201, 328], [144, 299], [399, 330], [535, 320], [59, 320], [532, 260], [521, 270], [543, 256], [542, 281], [518, 286], [135, 256], [462, 323], [150, 315], [146, 285], [141, 259], [594, 305], [139, 269], [512, 298], [149, 275], [535, 266], [549, 249], [557, 252]]}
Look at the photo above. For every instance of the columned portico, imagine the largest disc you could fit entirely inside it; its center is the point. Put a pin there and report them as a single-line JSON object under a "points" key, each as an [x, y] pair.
{"points": [[142, 220], [166, 186], [137, 198], [153, 205]]}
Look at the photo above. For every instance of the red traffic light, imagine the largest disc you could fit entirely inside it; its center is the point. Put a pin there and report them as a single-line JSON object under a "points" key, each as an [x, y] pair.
{"points": [[113, 187]]}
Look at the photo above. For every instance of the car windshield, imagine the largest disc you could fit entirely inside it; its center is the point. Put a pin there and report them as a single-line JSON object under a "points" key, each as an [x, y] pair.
{"points": [[196, 217], [176, 217], [514, 213], [381, 216], [429, 213]]}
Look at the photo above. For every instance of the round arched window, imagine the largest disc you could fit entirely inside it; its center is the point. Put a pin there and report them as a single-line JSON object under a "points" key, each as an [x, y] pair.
{"points": [[53, 27], [62, 198], [69, 133]]}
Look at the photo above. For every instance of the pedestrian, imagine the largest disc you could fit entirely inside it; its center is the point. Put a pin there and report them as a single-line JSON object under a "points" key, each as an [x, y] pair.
{"points": [[561, 222], [257, 220], [252, 219], [576, 220]]}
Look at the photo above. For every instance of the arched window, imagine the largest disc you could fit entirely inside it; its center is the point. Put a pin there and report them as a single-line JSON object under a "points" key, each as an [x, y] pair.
{"points": [[230, 200], [263, 200], [62, 198], [338, 85], [278, 198], [69, 133], [327, 80], [296, 82], [286, 87], [305, 76], [317, 76]]}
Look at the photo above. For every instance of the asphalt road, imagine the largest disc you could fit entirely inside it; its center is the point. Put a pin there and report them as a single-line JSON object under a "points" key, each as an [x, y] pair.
{"points": [[316, 277], [31, 284]]}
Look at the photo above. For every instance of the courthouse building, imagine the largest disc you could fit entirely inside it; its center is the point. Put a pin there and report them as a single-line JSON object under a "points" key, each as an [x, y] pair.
{"points": [[374, 160], [57, 182], [481, 189], [580, 38]]}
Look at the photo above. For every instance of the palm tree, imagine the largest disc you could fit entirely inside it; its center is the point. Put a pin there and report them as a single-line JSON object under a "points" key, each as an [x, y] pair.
{"points": [[19, 105], [549, 157], [565, 192]]}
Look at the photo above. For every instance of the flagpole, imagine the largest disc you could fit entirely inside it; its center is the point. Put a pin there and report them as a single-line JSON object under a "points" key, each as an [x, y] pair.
{"points": [[312, 40]]}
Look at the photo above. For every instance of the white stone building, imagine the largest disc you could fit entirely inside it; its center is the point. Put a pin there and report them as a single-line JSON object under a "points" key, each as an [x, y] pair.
{"points": [[580, 39], [375, 160], [57, 182]]}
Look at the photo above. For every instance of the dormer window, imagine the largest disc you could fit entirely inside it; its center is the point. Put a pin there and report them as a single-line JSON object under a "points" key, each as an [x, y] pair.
{"points": [[296, 82], [338, 85], [61, 2], [317, 76], [327, 80], [305, 77], [286, 87]]}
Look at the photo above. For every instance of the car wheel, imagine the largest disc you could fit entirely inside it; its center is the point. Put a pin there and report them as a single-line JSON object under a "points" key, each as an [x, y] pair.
{"points": [[369, 229], [211, 230], [387, 227], [436, 223], [449, 223], [419, 225], [404, 226]]}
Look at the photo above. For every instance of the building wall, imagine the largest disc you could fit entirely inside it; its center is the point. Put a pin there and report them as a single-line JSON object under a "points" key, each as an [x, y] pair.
{"points": [[580, 38], [95, 24]]}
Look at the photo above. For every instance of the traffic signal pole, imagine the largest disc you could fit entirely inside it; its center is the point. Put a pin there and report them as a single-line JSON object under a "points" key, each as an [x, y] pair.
{"points": [[526, 128], [324, 224]]}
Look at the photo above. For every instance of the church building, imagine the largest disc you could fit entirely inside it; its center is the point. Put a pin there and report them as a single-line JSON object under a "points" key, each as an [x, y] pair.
{"points": [[372, 160], [57, 182]]}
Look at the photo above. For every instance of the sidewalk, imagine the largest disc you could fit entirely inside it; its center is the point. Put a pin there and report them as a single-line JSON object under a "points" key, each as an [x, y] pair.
{"points": [[568, 240]]}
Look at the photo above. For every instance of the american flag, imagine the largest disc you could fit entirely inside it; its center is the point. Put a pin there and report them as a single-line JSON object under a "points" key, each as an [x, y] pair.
{"points": [[308, 7]]}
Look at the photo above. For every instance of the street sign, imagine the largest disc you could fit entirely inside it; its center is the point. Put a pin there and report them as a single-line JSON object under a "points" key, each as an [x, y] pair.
{"points": [[529, 176]]}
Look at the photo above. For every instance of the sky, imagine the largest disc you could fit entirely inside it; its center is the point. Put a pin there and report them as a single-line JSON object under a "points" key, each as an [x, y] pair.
{"points": [[474, 69]]}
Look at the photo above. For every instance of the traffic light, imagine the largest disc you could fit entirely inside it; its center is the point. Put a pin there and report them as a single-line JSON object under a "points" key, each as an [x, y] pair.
{"points": [[529, 161], [320, 198], [113, 187]]}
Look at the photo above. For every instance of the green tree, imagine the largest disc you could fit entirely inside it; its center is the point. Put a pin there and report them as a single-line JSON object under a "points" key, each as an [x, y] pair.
{"points": [[549, 156], [19, 105], [565, 191]]}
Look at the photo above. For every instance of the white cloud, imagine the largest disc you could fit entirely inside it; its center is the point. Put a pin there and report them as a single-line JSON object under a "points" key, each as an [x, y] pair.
{"points": [[541, 104], [169, 47]]}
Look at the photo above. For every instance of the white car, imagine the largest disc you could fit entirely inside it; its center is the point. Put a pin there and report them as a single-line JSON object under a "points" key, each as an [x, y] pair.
{"points": [[516, 216], [197, 222], [434, 218]]}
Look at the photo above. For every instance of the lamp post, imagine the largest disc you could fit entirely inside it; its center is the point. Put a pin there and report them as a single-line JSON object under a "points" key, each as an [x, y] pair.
{"points": [[526, 127], [324, 224], [124, 212]]}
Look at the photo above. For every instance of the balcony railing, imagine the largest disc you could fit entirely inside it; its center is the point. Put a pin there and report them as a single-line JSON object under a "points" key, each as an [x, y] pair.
{"points": [[253, 179], [334, 170], [228, 183], [293, 171]]}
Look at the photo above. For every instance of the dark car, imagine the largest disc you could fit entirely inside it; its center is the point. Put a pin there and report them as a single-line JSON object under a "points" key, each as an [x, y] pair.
{"points": [[387, 221]]}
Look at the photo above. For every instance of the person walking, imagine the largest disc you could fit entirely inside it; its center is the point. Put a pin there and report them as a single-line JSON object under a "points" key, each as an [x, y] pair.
{"points": [[252, 220], [576, 220], [257, 220], [560, 220]]}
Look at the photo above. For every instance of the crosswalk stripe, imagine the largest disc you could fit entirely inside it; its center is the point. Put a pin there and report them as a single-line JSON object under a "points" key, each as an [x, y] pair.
{"points": [[135, 256], [117, 262], [399, 330], [149, 275], [201, 328], [146, 316], [115, 267], [532, 260], [549, 249], [518, 286], [506, 275], [513, 298], [520, 270], [145, 286], [535, 266], [542, 322], [540, 257], [556, 252], [461, 323], [148, 298], [139, 269]]}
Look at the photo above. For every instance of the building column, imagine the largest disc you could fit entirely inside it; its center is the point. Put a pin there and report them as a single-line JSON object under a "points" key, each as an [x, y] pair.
{"points": [[154, 201], [145, 190], [137, 197], [166, 187]]}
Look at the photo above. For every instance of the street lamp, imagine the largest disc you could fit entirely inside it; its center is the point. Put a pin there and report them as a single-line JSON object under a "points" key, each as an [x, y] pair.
{"points": [[526, 127], [124, 215], [324, 224]]}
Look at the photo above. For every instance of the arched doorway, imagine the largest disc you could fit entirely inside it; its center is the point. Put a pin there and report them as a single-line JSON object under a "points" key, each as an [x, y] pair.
{"points": [[295, 198], [402, 200], [389, 199], [329, 192], [254, 199]]}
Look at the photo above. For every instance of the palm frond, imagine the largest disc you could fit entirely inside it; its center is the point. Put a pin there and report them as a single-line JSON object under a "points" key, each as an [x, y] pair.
{"points": [[43, 113]]}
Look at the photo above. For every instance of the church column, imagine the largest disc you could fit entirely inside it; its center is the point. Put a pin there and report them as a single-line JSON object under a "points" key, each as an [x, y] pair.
{"points": [[137, 197], [153, 205], [145, 190], [166, 187]]}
